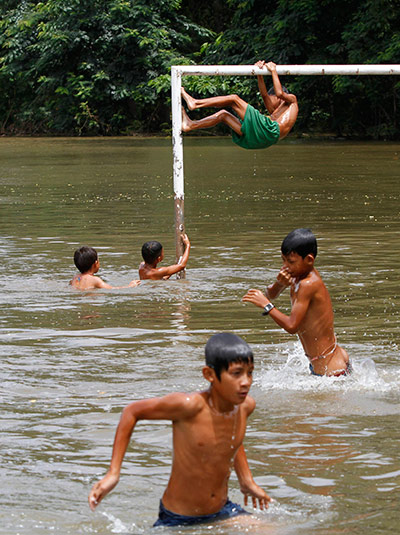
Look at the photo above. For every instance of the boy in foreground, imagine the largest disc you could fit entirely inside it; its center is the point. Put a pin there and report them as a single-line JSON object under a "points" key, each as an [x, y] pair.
{"points": [[153, 254], [88, 263], [208, 430], [253, 130], [311, 317]]}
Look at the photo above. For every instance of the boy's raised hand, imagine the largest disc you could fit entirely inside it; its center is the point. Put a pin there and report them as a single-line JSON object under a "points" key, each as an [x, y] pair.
{"points": [[134, 283], [284, 278], [271, 66], [256, 297]]}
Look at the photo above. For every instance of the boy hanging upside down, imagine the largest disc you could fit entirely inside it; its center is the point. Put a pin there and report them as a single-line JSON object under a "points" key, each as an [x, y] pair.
{"points": [[253, 130]]}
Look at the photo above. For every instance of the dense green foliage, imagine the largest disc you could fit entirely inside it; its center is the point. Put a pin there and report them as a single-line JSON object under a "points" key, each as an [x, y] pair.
{"points": [[102, 66], [96, 66]]}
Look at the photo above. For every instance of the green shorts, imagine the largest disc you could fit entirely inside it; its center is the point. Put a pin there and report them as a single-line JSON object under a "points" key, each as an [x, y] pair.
{"points": [[258, 131]]}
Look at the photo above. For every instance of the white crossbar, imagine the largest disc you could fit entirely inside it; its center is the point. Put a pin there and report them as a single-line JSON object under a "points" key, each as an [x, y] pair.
{"points": [[249, 70]]}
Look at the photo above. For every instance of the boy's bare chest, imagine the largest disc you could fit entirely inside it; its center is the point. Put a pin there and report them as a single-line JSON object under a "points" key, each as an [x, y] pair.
{"points": [[215, 435]]}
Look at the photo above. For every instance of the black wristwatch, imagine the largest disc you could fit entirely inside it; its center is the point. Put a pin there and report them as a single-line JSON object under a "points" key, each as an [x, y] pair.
{"points": [[267, 309]]}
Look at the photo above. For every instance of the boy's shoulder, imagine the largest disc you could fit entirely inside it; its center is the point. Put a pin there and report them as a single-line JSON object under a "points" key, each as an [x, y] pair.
{"points": [[85, 281], [146, 271], [186, 404], [309, 283], [77, 280]]}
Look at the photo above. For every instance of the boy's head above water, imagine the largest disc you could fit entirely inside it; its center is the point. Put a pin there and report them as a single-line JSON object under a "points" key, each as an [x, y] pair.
{"points": [[299, 250], [151, 250], [84, 258], [301, 241], [223, 349]]}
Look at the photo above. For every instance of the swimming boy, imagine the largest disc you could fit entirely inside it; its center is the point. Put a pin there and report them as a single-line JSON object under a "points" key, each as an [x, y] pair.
{"points": [[208, 430], [311, 317], [253, 130], [87, 261], [153, 254]]}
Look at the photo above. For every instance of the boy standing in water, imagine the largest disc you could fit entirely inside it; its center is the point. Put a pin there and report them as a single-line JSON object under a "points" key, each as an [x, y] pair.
{"points": [[208, 430], [88, 263], [311, 317], [253, 130], [153, 254]]}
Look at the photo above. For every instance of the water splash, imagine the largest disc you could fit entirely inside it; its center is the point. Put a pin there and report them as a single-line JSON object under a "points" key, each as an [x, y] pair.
{"points": [[294, 374], [117, 526]]}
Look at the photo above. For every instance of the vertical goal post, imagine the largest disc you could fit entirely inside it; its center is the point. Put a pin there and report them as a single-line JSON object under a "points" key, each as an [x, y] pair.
{"points": [[177, 71]]}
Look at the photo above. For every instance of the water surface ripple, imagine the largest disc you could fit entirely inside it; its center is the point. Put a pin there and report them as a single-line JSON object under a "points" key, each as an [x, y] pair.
{"points": [[326, 450]]}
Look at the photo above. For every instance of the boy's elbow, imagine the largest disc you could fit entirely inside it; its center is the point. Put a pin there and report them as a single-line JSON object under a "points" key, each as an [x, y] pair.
{"points": [[292, 329], [183, 263]]}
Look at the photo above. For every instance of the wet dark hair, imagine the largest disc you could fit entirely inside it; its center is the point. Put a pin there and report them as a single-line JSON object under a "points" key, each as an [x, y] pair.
{"points": [[151, 250], [224, 348], [84, 258], [301, 241], [271, 90]]}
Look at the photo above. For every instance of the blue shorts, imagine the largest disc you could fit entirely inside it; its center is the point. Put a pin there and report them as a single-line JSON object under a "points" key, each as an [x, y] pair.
{"points": [[168, 518], [347, 371]]}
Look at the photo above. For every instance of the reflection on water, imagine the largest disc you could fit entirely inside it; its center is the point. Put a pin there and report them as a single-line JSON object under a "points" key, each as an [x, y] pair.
{"points": [[326, 450]]}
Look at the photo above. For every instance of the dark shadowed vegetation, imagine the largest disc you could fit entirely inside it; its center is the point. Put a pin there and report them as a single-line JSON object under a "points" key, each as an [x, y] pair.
{"points": [[101, 67]]}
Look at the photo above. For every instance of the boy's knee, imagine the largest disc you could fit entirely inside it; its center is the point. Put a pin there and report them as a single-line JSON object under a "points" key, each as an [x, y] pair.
{"points": [[235, 98], [222, 115]]}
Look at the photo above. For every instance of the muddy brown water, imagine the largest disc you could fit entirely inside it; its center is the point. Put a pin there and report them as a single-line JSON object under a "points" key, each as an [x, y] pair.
{"points": [[326, 450]]}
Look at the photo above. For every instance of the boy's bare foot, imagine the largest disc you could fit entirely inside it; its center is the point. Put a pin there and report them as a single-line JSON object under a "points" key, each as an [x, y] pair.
{"points": [[186, 122], [190, 101]]}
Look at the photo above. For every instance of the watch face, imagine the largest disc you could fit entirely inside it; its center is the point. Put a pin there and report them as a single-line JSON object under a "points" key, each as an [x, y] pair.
{"points": [[268, 308]]}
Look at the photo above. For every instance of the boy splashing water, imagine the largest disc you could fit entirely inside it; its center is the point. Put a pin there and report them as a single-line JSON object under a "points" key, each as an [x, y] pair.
{"points": [[208, 430], [253, 130], [311, 317]]}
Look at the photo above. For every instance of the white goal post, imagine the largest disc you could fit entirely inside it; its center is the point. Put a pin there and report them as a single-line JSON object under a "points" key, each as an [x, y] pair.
{"points": [[177, 71]]}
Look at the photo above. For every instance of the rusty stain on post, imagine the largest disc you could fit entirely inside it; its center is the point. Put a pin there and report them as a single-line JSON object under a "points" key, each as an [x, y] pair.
{"points": [[179, 230]]}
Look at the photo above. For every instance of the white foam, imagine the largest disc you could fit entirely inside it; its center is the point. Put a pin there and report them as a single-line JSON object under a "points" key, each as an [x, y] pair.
{"points": [[117, 526], [294, 375]]}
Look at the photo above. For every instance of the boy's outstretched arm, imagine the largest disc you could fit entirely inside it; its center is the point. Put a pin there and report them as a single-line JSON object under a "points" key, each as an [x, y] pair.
{"points": [[122, 436], [166, 272], [299, 309], [170, 407], [101, 284], [263, 89], [247, 484]]}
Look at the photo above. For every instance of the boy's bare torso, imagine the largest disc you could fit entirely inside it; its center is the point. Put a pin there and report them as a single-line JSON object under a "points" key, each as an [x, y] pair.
{"points": [[316, 331], [204, 445], [285, 115]]}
